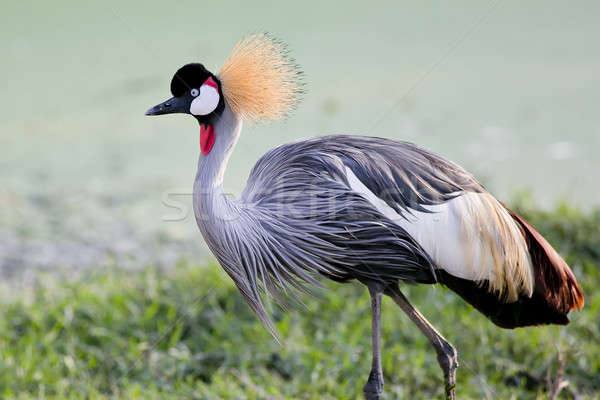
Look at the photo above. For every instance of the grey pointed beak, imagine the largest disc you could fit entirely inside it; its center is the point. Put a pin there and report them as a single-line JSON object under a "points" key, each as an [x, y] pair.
{"points": [[171, 106]]}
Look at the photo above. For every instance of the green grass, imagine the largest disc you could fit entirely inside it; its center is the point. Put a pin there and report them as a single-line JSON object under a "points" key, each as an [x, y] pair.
{"points": [[188, 334]]}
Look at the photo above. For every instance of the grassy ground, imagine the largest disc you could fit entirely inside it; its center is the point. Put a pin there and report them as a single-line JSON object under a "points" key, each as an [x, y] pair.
{"points": [[188, 334]]}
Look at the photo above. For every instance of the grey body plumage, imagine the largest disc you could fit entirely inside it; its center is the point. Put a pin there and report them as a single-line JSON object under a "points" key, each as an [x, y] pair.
{"points": [[299, 218]]}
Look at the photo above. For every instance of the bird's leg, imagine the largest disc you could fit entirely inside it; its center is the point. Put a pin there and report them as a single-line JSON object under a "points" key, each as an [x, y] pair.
{"points": [[374, 386], [446, 353]]}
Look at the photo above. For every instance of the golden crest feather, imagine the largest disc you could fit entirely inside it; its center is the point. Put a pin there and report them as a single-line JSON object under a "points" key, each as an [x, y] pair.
{"points": [[259, 80]]}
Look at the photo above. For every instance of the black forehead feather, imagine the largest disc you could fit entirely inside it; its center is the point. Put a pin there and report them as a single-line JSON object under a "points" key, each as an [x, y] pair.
{"points": [[188, 77]]}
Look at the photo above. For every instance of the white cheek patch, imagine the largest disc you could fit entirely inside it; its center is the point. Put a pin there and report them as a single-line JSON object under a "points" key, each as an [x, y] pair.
{"points": [[206, 101]]}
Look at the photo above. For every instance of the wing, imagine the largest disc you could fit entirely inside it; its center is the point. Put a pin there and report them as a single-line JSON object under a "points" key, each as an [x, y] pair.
{"points": [[373, 208], [316, 186], [428, 201]]}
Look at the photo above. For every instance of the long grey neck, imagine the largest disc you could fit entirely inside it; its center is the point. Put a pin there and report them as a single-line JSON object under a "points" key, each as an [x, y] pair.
{"points": [[228, 226], [210, 203]]}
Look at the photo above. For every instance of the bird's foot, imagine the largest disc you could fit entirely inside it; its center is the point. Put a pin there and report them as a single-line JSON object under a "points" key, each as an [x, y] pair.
{"points": [[372, 393], [450, 391], [448, 361], [373, 389]]}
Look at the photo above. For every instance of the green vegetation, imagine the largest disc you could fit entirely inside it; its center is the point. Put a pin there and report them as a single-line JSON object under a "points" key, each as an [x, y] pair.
{"points": [[187, 333]]}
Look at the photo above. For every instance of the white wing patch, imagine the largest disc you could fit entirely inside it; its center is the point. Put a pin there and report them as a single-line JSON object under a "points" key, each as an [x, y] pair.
{"points": [[471, 236], [206, 101]]}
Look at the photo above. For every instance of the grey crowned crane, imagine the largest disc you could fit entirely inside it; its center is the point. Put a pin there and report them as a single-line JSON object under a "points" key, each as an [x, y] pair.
{"points": [[349, 207]]}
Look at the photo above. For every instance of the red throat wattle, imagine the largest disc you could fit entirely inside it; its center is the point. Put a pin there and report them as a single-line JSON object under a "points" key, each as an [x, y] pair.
{"points": [[207, 138]]}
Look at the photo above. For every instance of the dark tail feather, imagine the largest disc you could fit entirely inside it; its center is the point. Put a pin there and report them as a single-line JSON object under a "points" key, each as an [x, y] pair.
{"points": [[556, 290], [554, 280]]}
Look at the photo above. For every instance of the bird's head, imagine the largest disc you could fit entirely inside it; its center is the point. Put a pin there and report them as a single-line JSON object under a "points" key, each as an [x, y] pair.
{"points": [[196, 91], [258, 81]]}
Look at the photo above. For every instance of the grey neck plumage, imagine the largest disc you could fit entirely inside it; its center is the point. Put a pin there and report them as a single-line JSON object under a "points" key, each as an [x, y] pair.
{"points": [[226, 224], [210, 202]]}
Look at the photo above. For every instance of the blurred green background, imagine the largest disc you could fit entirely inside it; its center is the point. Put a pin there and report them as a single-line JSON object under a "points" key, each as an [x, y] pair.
{"points": [[508, 89]]}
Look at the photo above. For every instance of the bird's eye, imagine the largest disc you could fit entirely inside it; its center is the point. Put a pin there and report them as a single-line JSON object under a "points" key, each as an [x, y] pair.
{"points": [[194, 92]]}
